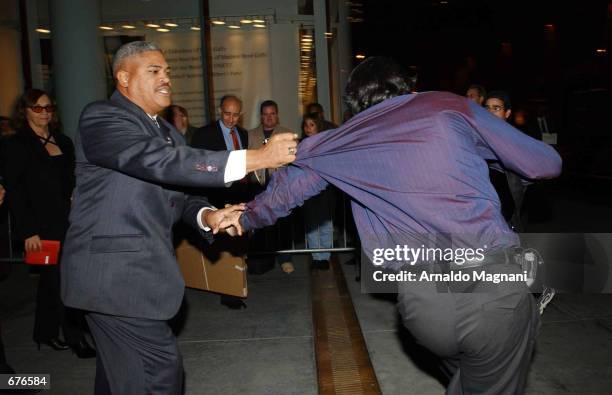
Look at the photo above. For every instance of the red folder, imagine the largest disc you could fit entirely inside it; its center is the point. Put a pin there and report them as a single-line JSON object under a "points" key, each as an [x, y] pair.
{"points": [[46, 256]]}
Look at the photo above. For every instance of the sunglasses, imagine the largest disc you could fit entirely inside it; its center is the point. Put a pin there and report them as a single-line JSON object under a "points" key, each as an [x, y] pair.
{"points": [[38, 109]]}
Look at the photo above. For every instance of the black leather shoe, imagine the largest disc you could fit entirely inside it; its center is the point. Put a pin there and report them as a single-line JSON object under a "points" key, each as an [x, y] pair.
{"points": [[83, 350], [55, 344], [233, 302]]}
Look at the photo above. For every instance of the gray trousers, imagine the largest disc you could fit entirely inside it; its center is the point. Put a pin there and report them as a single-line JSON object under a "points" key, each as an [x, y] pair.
{"points": [[135, 356], [483, 332]]}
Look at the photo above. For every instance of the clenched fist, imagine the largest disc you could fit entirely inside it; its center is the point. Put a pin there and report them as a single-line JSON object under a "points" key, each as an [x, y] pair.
{"points": [[279, 151]]}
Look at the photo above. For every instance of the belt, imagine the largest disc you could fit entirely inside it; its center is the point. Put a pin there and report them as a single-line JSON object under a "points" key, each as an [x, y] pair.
{"points": [[510, 255]]}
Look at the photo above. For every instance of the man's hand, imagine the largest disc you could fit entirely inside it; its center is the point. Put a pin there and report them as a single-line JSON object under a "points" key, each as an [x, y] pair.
{"points": [[33, 243], [279, 151], [224, 219]]}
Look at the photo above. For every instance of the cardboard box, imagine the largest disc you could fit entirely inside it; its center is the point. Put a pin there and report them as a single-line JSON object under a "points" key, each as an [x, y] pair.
{"points": [[219, 267]]}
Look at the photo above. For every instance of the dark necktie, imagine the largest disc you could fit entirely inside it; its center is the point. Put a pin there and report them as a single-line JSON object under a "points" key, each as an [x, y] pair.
{"points": [[235, 139], [164, 130]]}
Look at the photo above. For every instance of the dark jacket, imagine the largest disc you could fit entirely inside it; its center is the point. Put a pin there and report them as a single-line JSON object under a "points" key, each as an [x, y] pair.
{"points": [[38, 186], [210, 137], [118, 257]]}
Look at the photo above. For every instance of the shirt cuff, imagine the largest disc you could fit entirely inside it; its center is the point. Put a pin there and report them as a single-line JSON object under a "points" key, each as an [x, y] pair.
{"points": [[236, 166], [199, 218]]}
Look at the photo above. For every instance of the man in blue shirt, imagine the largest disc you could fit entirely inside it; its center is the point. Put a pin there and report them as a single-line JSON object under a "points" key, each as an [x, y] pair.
{"points": [[414, 166]]}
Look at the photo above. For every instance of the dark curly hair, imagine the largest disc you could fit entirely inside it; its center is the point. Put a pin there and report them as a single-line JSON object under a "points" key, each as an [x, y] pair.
{"points": [[373, 81], [27, 100]]}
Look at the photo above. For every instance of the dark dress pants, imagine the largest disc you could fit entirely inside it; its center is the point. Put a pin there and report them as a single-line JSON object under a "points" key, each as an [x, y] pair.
{"points": [[4, 366], [51, 312], [135, 356], [484, 337]]}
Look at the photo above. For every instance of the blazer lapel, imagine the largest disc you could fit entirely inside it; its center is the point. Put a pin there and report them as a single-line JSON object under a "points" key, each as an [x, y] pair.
{"points": [[122, 101]]}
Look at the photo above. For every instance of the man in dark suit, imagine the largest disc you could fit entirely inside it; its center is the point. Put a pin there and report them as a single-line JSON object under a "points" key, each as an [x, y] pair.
{"points": [[224, 135], [118, 258]]}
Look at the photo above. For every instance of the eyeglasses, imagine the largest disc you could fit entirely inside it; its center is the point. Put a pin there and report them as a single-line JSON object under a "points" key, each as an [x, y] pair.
{"points": [[494, 108], [38, 109]]}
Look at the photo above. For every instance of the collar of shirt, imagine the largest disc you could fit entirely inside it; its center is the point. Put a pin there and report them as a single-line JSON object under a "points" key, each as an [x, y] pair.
{"points": [[229, 144], [154, 119]]}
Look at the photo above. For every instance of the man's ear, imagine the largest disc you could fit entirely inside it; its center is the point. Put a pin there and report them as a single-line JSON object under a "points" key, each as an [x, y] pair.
{"points": [[507, 114], [123, 77]]}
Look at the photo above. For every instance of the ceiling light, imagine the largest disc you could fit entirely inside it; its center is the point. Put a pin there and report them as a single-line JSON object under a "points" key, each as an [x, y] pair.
{"points": [[246, 21], [171, 24], [306, 40], [601, 50], [103, 27], [41, 30], [328, 34], [195, 28], [259, 25], [259, 21], [152, 25], [233, 26], [218, 22], [128, 26], [360, 56], [163, 30]]}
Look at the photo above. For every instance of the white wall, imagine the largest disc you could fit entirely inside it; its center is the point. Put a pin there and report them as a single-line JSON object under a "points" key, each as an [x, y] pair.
{"points": [[285, 59], [284, 50]]}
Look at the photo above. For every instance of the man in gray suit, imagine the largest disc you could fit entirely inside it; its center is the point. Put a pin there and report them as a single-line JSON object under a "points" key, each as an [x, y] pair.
{"points": [[118, 261]]}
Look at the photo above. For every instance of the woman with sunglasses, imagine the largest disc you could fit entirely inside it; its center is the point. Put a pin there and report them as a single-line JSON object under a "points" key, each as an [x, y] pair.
{"points": [[38, 170]]}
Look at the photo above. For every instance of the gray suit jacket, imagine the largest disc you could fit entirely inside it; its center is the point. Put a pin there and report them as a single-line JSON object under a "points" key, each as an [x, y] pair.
{"points": [[256, 138], [118, 256]]}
